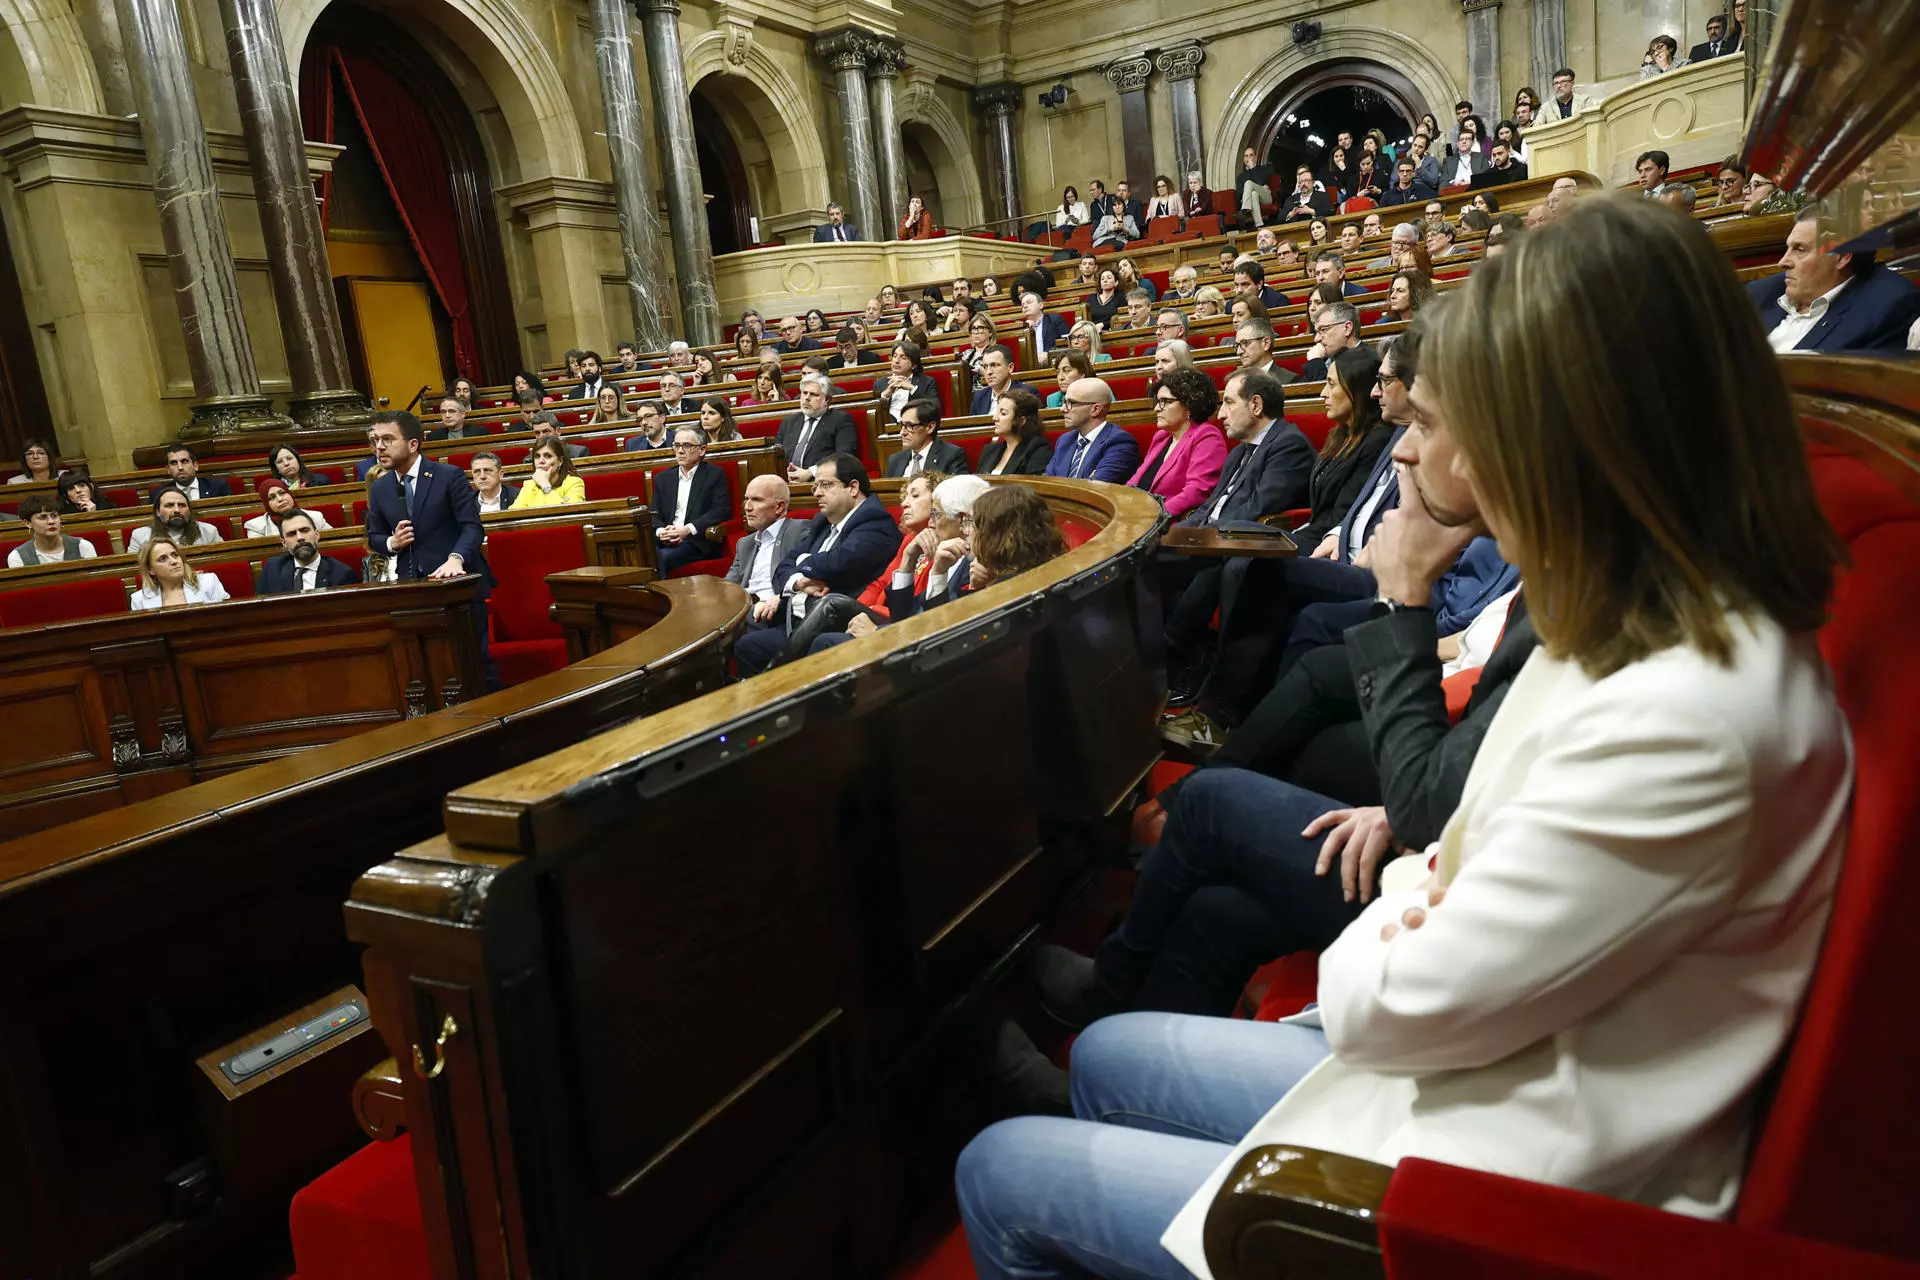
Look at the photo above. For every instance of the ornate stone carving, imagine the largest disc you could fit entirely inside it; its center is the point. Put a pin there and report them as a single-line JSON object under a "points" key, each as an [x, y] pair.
{"points": [[416, 699], [324, 410], [1129, 75], [1474, 6], [232, 416], [997, 99], [885, 57], [1182, 63], [174, 749], [845, 49], [735, 25]]}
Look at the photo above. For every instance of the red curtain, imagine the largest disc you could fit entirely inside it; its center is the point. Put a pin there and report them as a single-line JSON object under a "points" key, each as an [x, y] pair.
{"points": [[411, 161]]}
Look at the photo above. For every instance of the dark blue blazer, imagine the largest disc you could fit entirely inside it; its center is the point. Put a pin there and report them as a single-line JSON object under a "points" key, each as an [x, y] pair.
{"points": [[1873, 313], [1114, 456], [823, 234], [446, 519], [1053, 332], [866, 547], [1477, 579], [1282, 469], [210, 487], [903, 602], [363, 466], [1383, 465], [276, 575], [711, 503], [983, 397]]}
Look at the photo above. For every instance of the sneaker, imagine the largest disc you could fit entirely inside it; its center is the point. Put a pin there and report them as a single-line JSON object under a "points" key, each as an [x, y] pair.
{"points": [[1068, 987], [1193, 733]]}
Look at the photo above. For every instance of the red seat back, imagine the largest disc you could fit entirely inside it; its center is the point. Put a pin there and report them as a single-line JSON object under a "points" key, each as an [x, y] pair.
{"points": [[521, 560], [1315, 426], [627, 482], [235, 575], [1131, 387], [1834, 1160], [335, 513], [87, 598]]}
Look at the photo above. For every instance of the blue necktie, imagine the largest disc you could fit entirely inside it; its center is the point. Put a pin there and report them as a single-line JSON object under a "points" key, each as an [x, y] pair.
{"points": [[1079, 456], [406, 490]]}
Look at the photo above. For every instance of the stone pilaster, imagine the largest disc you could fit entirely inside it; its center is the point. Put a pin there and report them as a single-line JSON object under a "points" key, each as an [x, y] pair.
{"points": [[1549, 45], [1483, 57], [1181, 66], [323, 392], [686, 198], [633, 195], [998, 102], [885, 60], [1130, 76], [845, 51], [206, 290]]}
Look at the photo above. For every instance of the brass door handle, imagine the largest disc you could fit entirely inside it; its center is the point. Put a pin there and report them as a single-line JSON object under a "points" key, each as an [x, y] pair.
{"points": [[448, 1030]]}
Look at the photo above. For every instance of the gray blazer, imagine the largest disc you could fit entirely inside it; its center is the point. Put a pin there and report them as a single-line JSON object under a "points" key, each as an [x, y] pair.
{"points": [[787, 542]]}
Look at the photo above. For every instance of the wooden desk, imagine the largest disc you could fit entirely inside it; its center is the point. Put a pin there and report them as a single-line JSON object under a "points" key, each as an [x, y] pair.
{"points": [[1216, 544]]}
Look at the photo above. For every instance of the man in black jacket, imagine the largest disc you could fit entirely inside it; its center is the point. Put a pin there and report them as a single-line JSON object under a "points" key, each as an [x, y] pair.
{"points": [[183, 473], [301, 567], [1308, 200], [815, 431], [689, 499]]}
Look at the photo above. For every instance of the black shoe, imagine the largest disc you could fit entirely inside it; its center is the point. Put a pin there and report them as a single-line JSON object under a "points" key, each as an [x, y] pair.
{"points": [[1068, 987], [1027, 1081]]}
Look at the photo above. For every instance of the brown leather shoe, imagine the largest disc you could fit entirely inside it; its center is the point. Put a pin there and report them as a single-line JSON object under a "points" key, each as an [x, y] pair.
{"points": [[1148, 821]]}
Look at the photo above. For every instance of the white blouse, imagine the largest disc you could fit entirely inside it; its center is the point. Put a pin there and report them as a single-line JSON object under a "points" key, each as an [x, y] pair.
{"points": [[262, 526], [208, 590]]}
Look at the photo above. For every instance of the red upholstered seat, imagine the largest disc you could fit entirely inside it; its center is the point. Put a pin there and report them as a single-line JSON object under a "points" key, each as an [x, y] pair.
{"points": [[1161, 227], [1315, 426], [354, 554], [1225, 203], [235, 575], [599, 445], [1160, 280], [87, 598], [717, 566], [328, 475], [1131, 387], [1356, 204], [335, 513], [123, 497], [526, 642], [626, 482], [361, 1219]]}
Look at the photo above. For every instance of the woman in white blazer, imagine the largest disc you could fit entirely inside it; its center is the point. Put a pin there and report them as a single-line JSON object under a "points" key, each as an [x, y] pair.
{"points": [[166, 579], [1624, 910]]}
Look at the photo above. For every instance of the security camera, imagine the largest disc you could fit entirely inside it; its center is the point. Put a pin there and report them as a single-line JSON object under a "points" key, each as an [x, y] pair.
{"points": [[1055, 97], [1306, 32]]}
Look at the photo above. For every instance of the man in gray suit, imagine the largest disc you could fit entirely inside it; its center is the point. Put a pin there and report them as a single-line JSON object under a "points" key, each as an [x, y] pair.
{"points": [[770, 539]]}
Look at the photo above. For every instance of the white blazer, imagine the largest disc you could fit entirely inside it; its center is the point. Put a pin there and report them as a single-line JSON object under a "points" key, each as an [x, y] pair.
{"points": [[1073, 215], [209, 590], [1638, 877]]}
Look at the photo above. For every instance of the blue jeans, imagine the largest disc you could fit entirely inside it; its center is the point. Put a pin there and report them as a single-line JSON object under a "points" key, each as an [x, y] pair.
{"points": [[1161, 1099]]}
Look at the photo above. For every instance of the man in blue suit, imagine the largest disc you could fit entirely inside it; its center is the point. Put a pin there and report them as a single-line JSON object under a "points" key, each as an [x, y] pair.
{"points": [[301, 567], [183, 473], [1048, 330], [424, 515], [836, 229], [1093, 448], [996, 379], [849, 544], [1826, 301]]}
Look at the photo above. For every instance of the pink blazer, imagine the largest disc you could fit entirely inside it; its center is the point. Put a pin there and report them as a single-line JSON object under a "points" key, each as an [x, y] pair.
{"points": [[1191, 470]]}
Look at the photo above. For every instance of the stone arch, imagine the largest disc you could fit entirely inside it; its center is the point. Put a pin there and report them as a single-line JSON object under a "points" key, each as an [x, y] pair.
{"points": [[757, 89], [952, 158], [519, 75], [1428, 75], [51, 64]]}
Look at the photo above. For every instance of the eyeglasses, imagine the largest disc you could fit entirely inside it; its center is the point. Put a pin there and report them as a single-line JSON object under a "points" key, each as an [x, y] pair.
{"points": [[1326, 327], [1385, 378], [686, 444], [1241, 344], [1162, 402]]}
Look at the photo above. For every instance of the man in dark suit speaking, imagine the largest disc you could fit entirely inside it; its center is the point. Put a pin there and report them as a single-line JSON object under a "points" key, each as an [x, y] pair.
{"points": [[815, 431], [301, 567], [1826, 301], [424, 515], [848, 545]]}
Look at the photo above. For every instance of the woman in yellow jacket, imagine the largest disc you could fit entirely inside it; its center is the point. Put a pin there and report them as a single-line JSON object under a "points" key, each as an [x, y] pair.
{"points": [[553, 481]]}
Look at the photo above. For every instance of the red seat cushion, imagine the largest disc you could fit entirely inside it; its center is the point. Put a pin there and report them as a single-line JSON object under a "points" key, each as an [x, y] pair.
{"points": [[1131, 387], [361, 1219], [59, 602], [336, 513]]}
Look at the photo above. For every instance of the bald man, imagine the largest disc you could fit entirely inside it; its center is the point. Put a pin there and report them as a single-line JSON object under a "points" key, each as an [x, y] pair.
{"points": [[793, 337], [1093, 448], [771, 537]]}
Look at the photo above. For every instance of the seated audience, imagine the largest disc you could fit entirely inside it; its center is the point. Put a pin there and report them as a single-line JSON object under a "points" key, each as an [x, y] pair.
{"points": [[183, 474], [1505, 1012], [771, 538], [1255, 195], [996, 375], [166, 579], [301, 567], [1185, 282], [1168, 356], [1330, 268], [546, 427], [1828, 301], [1308, 199], [1093, 448], [1501, 233], [1253, 346], [1184, 457], [847, 351], [370, 468], [1503, 167], [746, 342], [47, 543], [1358, 438], [982, 335], [173, 518], [836, 229], [607, 410], [817, 430], [1662, 56], [716, 419], [1196, 199], [1048, 330], [768, 388], [36, 463], [1166, 202], [794, 338], [1084, 337], [1466, 162], [1139, 312], [1680, 195], [1105, 302], [591, 378], [1439, 238], [1068, 369], [553, 481], [279, 502], [626, 360], [1565, 103], [1716, 43], [79, 494], [688, 500], [1474, 219], [904, 382], [1410, 291], [921, 448], [1650, 171], [1250, 281], [652, 420], [1019, 447], [1730, 183], [916, 223], [1131, 279], [1208, 303], [284, 460], [1337, 329], [493, 493], [526, 381], [673, 388]]}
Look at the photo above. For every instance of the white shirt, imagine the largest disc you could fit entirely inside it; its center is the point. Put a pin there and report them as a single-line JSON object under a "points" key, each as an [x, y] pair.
{"points": [[16, 561], [262, 526], [1462, 171], [760, 568], [495, 503], [1482, 634], [1358, 538], [1220, 503], [917, 462], [207, 591], [686, 491], [1638, 877], [203, 531], [1795, 325]]}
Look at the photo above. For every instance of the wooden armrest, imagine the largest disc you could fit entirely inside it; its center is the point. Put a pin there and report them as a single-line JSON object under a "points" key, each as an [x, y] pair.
{"points": [[378, 1103], [716, 533], [1295, 1211]]}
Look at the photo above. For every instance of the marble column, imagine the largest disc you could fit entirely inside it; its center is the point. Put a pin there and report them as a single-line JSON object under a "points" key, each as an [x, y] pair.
{"points": [[206, 290], [846, 53], [1130, 76], [1181, 66], [885, 60], [1483, 57], [1549, 45], [323, 391], [686, 198], [999, 102], [632, 193]]}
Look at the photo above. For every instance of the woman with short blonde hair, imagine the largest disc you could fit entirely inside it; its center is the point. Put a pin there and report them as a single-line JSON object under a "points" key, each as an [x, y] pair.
{"points": [[1085, 337], [166, 579]]}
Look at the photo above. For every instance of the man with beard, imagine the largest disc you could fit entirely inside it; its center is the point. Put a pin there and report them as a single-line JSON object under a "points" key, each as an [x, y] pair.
{"points": [[301, 567]]}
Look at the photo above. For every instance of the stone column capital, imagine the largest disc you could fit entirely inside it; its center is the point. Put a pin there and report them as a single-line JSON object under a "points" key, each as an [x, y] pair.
{"points": [[1129, 75], [1001, 99], [845, 49], [1181, 62], [1474, 6], [886, 58]]}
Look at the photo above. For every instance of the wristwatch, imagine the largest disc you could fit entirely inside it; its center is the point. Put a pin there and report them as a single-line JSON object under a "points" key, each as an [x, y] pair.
{"points": [[1385, 607]]}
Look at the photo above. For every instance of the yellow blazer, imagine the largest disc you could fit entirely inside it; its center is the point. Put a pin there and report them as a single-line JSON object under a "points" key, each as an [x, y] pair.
{"points": [[572, 489]]}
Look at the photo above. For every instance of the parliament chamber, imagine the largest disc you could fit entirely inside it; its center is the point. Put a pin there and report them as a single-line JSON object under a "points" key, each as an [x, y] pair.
{"points": [[411, 869]]}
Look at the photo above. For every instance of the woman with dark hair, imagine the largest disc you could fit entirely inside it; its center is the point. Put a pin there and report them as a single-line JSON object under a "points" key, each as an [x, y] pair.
{"points": [[904, 382], [716, 419], [80, 494], [768, 386], [920, 315], [1317, 232], [276, 496], [989, 286], [816, 321], [889, 297], [1486, 202], [706, 367], [746, 343], [553, 481], [284, 461], [36, 462], [1509, 132], [1013, 531], [983, 336], [916, 223], [1131, 279], [1166, 202], [1188, 448], [1069, 367], [1662, 56], [1352, 447], [1071, 212], [1339, 176], [1429, 125], [1018, 447], [525, 381], [1366, 177], [1106, 302], [1481, 138], [1411, 290]]}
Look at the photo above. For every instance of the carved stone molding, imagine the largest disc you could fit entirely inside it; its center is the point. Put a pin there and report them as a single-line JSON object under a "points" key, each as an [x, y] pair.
{"points": [[1129, 75], [1474, 6], [845, 49], [1182, 63], [735, 25], [885, 57], [997, 99]]}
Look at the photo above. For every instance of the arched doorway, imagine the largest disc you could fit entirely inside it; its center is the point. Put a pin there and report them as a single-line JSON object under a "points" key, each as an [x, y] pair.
{"points": [[723, 176], [922, 179], [771, 126], [1301, 118], [420, 273]]}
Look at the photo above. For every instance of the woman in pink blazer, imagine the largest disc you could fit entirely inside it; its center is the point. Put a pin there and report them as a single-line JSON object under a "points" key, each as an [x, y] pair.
{"points": [[1183, 460]]}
